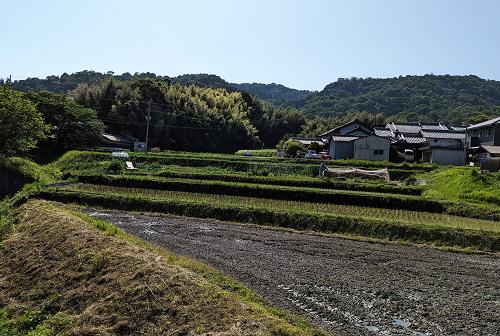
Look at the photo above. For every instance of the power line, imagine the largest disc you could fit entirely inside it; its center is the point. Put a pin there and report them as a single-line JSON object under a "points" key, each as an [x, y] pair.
{"points": [[164, 126]]}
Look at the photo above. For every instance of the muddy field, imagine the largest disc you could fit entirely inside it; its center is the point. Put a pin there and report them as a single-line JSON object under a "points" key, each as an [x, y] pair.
{"points": [[353, 288]]}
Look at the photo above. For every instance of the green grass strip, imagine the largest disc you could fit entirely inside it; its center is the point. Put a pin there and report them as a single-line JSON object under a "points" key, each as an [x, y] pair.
{"points": [[480, 240], [307, 182]]}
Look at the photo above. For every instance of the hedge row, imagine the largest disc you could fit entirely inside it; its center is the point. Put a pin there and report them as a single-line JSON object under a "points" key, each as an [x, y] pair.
{"points": [[388, 201], [284, 168], [269, 191], [87, 160], [296, 220], [335, 163], [298, 182]]}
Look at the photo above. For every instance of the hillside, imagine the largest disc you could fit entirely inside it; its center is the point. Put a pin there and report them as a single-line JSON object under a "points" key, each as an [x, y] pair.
{"points": [[452, 99], [276, 93]]}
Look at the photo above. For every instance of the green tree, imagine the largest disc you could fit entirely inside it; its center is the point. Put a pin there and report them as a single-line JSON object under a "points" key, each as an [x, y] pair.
{"points": [[21, 125], [292, 147], [72, 126]]}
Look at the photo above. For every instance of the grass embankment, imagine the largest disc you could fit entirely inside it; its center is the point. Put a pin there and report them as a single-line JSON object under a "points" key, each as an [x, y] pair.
{"points": [[295, 181], [333, 163], [97, 162], [64, 273], [371, 199], [400, 217], [300, 220], [464, 185], [258, 152], [29, 169]]}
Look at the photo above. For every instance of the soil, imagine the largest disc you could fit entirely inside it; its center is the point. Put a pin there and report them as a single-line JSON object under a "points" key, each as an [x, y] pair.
{"points": [[350, 287]]}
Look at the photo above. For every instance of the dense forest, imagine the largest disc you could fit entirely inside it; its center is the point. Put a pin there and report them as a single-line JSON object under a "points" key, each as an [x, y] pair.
{"points": [[188, 117], [450, 99], [277, 94], [205, 113]]}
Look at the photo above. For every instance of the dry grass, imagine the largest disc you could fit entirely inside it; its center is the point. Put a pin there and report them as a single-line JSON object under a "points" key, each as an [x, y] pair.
{"points": [[56, 262]]}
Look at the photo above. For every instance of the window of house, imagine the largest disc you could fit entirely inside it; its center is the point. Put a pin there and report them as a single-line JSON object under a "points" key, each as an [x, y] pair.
{"points": [[378, 152]]}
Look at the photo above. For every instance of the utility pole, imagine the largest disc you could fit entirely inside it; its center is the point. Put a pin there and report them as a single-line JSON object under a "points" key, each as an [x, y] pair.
{"points": [[148, 119], [465, 146]]}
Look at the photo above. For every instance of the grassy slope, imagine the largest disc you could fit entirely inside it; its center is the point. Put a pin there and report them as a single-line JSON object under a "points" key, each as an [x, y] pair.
{"points": [[464, 185], [58, 273], [28, 169]]}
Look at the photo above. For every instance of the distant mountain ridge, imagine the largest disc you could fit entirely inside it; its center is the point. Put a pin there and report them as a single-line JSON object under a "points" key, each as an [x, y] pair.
{"points": [[451, 99], [277, 94]]}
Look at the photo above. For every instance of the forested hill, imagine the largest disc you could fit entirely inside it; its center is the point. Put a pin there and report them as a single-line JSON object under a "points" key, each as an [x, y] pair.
{"points": [[452, 99], [277, 94]]}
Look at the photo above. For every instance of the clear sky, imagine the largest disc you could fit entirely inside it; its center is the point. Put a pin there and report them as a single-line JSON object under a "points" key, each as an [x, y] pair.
{"points": [[303, 44]]}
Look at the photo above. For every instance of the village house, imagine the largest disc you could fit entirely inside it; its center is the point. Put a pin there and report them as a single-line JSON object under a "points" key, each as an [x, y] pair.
{"points": [[431, 142], [354, 140], [484, 140]]}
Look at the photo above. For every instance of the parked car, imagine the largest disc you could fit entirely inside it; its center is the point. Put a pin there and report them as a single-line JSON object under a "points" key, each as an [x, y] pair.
{"points": [[119, 155], [409, 155], [311, 154], [325, 155]]}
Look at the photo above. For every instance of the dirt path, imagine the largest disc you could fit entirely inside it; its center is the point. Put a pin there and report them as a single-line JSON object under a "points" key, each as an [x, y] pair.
{"points": [[353, 288]]}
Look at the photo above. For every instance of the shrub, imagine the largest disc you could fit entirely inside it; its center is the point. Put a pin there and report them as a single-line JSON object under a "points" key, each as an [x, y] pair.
{"points": [[114, 167], [293, 147]]}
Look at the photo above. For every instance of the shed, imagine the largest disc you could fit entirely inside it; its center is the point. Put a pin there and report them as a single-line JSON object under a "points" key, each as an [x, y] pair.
{"points": [[372, 147]]}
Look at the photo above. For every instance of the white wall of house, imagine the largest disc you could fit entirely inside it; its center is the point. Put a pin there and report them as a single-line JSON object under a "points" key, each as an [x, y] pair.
{"points": [[372, 148], [447, 156], [446, 143]]}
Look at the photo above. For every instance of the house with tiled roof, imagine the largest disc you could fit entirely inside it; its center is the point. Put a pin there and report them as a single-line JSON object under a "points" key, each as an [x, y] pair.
{"points": [[354, 140], [431, 142]]}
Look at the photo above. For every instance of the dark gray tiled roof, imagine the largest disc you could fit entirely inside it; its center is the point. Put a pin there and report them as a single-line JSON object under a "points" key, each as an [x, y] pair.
{"points": [[383, 132], [433, 126], [443, 134], [414, 139]]}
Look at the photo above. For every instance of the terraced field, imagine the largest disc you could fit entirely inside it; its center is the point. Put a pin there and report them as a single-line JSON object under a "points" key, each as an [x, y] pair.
{"points": [[403, 217], [226, 205]]}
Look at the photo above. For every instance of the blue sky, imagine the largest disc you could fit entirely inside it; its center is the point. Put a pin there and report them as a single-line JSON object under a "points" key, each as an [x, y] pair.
{"points": [[304, 44]]}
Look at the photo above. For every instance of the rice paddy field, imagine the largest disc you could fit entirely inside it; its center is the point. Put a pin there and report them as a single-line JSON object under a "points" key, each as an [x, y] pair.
{"points": [[230, 187], [403, 217]]}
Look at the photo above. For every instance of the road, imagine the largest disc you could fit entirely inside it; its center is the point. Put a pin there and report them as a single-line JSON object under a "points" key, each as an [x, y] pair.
{"points": [[350, 287]]}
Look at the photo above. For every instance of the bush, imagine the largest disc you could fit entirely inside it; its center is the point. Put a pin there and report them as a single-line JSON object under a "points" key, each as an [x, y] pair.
{"points": [[315, 146], [293, 147], [114, 167]]}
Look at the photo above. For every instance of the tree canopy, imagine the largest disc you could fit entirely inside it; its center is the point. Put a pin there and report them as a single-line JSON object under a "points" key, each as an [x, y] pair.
{"points": [[453, 100], [72, 126], [21, 125]]}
